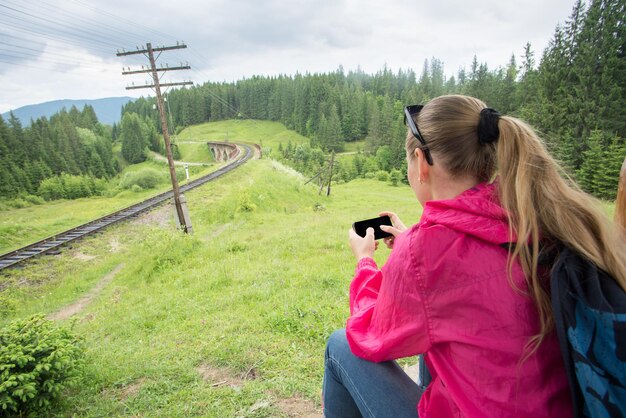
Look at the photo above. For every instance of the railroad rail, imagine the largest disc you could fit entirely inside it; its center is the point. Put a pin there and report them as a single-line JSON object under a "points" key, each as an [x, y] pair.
{"points": [[55, 242]]}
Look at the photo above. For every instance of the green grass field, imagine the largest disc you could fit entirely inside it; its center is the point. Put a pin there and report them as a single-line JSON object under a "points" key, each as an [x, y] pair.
{"points": [[265, 133], [255, 291], [20, 227], [195, 153], [230, 321]]}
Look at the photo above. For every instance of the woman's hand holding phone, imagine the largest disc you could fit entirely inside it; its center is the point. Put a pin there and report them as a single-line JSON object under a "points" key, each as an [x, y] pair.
{"points": [[397, 228], [363, 247]]}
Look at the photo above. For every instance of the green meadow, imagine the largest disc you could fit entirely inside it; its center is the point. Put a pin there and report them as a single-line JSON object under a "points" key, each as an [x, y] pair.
{"points": [[265, 133], [22, 226], [230, 321]]}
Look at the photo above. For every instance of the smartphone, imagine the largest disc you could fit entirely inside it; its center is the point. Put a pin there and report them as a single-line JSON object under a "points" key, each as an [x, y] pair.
{"points": [[360, 227]]}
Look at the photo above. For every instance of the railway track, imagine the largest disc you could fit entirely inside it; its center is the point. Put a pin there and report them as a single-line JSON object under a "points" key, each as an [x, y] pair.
{"points": [[54, 243]]}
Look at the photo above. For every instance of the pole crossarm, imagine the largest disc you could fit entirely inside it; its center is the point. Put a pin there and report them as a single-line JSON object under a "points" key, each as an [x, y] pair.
{"points": [[145, 51], [150, 86], [149, 70]]}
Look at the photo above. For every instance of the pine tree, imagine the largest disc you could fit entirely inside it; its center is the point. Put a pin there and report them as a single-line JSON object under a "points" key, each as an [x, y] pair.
{"points": [[587, 175], [374, 133], [335, 140], [8, 186], [607, 175], [75, 116], [15, 140], [133, 141], [508, 92], [88, 119]]}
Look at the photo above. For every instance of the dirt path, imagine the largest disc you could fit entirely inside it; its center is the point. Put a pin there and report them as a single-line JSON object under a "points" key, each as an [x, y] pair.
{"points": [[296, 407], [78, 306]]}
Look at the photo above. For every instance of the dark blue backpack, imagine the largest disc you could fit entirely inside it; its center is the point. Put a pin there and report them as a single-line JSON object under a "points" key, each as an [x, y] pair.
{"points": [[590, 318]]}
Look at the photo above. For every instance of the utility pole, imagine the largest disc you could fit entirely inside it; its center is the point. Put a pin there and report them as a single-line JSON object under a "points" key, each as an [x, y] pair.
{"points": [[148, 51], [323, 180], [330, 177]]}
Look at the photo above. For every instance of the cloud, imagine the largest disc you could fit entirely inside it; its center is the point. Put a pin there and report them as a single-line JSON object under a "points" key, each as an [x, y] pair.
{"points": [[73, 42]]}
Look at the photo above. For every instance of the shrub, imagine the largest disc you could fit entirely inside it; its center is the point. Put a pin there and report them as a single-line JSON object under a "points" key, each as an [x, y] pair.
{"points": [[22, 201], [76, 186], [136, 188], [175, 152], [369, 175], [17, 203], [37, 361], [370, 165], [347, 172], [395, 177], [382, 175], [318, 207], [99, 186], [67, 186], [180, 175], [51, 188], [245, 204], [34, 200], [148, 178], [7, 304]]}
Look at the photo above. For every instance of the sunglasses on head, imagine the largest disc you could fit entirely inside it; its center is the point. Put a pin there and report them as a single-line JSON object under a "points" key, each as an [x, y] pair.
{"points": [[409, 112]]}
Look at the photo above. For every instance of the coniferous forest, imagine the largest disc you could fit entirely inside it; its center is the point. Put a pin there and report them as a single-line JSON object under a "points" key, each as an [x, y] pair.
{"points": [[574, 94]]}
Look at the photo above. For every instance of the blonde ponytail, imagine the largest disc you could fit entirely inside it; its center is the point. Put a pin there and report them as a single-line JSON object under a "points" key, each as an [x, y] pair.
{"points": [[543, 204]]}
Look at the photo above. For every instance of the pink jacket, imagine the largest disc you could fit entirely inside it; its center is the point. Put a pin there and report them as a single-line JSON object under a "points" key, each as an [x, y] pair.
{"points": [[444, 292]]}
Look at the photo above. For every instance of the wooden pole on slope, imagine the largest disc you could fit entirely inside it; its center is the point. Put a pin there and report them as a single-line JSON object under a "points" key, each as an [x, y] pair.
{"points": [[330, 177], [154, 71]]}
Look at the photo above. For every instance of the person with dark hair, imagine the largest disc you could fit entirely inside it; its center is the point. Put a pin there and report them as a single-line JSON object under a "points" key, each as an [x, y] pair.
{"points": [[467, 287]]}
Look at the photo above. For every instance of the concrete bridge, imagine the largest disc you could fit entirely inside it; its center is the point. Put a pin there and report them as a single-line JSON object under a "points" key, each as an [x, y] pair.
{"points": [[223, 151]]}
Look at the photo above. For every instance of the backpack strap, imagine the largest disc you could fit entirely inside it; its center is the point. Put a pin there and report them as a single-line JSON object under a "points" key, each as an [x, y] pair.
{"points": [[559, 296], [550, 258]]}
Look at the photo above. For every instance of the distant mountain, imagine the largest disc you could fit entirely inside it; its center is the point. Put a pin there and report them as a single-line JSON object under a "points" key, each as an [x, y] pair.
{"points": [[108, 110]]}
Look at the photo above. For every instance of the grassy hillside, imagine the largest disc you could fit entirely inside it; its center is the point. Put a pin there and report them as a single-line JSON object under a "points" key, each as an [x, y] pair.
{"points": [[267, 134], [197, 152], [248, 299], [19, 227]]}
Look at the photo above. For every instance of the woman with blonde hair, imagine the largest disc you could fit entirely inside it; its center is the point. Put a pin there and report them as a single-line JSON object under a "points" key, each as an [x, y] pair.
{"points": [[466, 286]]}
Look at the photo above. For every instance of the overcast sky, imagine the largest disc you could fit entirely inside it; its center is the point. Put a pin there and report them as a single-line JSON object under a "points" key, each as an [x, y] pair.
{"points": [[66, 49]]}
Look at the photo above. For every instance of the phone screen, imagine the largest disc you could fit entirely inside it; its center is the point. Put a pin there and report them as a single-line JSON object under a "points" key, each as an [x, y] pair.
{"points": [[360, 227]]}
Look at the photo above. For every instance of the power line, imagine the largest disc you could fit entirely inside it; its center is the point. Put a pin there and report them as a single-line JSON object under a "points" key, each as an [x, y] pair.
{"points": [[71, 18], [61, 25], [32, 66], [42, 55], [134, 23], [66, 39], [84, 34]]}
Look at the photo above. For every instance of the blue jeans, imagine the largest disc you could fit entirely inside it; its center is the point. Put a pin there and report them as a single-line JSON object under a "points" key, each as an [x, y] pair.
{"points": [[354, 387]]}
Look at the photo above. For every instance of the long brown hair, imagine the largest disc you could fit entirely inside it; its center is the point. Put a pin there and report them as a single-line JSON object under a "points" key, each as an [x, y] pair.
{"points": [[543, 204]]}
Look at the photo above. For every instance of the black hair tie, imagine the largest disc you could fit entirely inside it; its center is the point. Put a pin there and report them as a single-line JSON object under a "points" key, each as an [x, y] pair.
{"points": [[488, 130]]}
